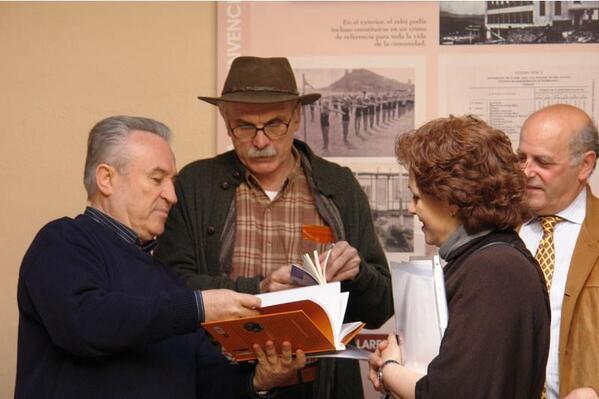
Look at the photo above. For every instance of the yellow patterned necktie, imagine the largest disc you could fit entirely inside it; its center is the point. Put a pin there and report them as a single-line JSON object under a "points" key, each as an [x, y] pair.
{"points": [[546, 251], [546, 255]]}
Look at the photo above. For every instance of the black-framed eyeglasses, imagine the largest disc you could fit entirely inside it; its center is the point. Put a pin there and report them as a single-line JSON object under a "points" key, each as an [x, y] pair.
{"points": [[273, 130]]}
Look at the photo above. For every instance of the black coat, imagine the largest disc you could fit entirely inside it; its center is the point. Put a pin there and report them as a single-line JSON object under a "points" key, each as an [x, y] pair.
{"points": [[497, 338]]}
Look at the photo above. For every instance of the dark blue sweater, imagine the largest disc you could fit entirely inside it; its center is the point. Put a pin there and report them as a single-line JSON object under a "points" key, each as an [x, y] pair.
{"points": [[99, 318]]}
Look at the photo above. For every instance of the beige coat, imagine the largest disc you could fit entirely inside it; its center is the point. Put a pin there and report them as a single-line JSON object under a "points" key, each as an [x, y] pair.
{"points": [[579, 337]]}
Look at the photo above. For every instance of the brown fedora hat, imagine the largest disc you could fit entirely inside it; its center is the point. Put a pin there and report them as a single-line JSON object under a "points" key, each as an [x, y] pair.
{"points": [[258, 80]]}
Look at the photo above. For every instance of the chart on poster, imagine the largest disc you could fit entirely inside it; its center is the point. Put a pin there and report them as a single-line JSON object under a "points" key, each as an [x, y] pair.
{"points": [[504, 89]]}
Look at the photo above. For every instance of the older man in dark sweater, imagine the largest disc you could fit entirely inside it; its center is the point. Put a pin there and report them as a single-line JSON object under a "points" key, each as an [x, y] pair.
{"points": [[100, 318]]}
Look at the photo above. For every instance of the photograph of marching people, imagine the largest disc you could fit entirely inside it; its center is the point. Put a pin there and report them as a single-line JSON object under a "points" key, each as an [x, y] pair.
{"points": [[518, 22], [389, 197], [361, 110]]}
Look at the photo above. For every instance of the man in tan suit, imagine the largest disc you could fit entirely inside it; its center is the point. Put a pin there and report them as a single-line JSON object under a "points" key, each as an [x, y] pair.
{"points": [[558, 150]]}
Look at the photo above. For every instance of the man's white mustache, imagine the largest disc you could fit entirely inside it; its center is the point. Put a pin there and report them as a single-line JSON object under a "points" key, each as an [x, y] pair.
{"points": [[534, 183], [268, 151]]}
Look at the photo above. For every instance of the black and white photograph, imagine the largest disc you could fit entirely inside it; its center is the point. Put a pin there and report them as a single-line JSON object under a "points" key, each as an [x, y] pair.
{"points": [[361, 110], [389, 197], [518, 22]]}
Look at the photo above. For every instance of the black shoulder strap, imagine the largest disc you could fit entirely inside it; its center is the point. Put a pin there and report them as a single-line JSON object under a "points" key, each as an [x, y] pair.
{"points": [[509, 244], [490, 244]]}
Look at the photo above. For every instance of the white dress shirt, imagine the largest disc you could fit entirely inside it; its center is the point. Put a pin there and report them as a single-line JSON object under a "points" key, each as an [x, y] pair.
{"points": [[565, 235]]}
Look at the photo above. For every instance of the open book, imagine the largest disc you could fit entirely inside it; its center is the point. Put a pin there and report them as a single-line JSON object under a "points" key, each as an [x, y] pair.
{"points": [[312, 271], [310, 318], [420, 309]]}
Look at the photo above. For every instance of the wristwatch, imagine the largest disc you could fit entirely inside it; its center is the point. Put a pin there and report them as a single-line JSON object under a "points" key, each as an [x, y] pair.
{"points": [[260, 393], [379, 374]]}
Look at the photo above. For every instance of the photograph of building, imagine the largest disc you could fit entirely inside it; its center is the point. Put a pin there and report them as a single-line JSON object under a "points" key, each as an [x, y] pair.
{"points": [[389, 197], [519, 22]]}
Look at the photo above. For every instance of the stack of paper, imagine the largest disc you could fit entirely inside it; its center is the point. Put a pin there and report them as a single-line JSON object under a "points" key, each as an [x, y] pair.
{"points": [[420, 310]]}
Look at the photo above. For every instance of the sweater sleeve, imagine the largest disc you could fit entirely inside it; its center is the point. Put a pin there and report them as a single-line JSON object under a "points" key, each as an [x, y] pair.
{"points": [[185, 246], [217, 377], [496, 339], [69, 290]]}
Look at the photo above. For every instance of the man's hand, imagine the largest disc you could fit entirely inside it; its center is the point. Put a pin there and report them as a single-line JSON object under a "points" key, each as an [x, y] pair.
{"points": [[224, 304], [343, 264], [279, 279], [582, 393], [272, 369]]}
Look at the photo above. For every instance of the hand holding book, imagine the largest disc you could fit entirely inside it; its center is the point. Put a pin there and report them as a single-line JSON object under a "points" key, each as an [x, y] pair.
{"points": [[290, 276], [225, 304], [344, 262], [272, 370], [310, 318], [278, 280], [340, 262], [312, 271]]}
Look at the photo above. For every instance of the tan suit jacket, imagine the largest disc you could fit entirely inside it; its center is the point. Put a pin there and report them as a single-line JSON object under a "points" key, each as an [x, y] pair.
{"points": [[579, 328]]}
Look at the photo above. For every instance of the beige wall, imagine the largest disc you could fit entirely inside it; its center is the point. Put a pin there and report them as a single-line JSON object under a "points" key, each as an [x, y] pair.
{"points": [[63, 67]]}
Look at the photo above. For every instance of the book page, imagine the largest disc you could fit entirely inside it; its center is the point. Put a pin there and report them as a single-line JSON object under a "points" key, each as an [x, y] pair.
{"points": [[343, 299], [302, 277], [349, 331], [350, 352], [312, 266], [325, 295]]}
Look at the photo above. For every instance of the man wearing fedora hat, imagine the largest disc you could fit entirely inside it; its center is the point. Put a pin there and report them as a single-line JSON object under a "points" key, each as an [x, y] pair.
{"points": [[240, 216]]}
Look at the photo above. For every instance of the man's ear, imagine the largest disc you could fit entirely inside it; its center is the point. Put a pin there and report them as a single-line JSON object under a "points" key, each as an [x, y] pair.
{"points": [[453, 210], [223, 114], [105, 179], [587, 166]]}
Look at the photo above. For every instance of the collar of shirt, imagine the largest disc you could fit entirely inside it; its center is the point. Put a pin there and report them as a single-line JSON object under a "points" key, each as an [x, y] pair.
{"points": [[253, 182], [451, 247], [574, 213], [124, 232]]}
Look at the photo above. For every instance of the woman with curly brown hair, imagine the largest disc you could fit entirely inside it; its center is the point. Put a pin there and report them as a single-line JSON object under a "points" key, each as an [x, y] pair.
{"points": [[468, 192]]}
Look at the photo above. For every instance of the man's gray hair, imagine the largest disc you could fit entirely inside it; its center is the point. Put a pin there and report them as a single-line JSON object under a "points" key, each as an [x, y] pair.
{"points": [[106, 144], [585, 140]]}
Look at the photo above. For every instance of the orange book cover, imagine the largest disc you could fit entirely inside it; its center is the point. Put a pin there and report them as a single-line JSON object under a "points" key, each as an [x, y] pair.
{"points": [[304, 323]]}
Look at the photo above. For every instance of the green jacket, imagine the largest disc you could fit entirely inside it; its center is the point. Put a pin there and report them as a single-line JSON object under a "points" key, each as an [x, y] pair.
{"points": [[192, 241]]}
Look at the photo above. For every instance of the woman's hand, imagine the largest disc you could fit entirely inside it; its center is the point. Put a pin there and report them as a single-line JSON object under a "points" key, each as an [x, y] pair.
{"points": [[391, 349], [386, 350], [374, 363]]}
